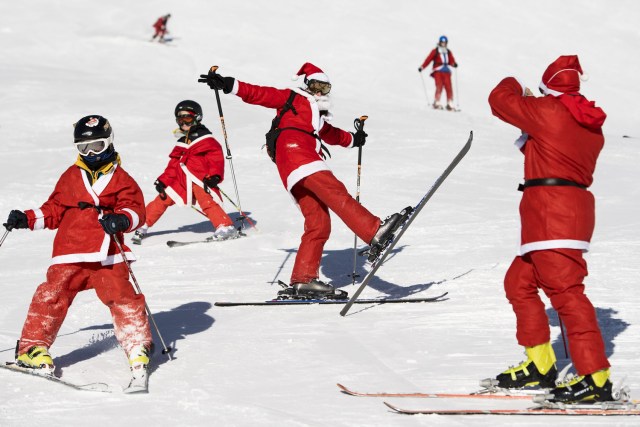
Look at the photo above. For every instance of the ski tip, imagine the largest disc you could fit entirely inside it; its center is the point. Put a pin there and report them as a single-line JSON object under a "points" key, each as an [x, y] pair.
{"points": [[393, 408]]}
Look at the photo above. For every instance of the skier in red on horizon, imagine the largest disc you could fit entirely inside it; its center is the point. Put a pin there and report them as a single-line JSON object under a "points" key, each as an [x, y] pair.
{"points": [[442, 59], [160, 27]]}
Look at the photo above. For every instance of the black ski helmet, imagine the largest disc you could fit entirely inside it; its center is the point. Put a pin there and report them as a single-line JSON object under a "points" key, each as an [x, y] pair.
{"points": [[191, 106], [92, 127]]}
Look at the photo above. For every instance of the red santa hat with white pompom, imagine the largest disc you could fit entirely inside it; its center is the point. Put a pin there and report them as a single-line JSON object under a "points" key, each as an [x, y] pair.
{"points": [[562, 76], [311, 72]]}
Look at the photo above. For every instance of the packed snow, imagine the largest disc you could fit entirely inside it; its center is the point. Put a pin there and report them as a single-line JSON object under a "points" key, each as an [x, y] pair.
{"points": [[278, 366]]}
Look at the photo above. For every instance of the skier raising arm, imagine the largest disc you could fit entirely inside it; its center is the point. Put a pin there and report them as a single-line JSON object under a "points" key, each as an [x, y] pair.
{"points": [[93, 200], [295, 144], [561, 140]]}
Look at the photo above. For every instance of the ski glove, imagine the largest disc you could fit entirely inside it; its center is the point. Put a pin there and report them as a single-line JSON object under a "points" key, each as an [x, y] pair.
{"points": [[160, 189], [216, 81], [211, 182], [114, 223], [17, 219], [359, 138], [419, 69]]}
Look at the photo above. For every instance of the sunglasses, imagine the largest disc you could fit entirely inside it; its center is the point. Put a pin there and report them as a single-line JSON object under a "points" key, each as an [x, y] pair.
{"points": [[316, 86], [185, 119], [96, 146]]}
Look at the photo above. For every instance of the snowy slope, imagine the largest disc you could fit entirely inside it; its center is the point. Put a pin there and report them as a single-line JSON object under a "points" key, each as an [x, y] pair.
{"points": [[278, 366]]}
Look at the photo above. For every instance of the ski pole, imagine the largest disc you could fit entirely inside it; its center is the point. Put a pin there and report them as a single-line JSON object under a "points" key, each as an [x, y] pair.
{"points": [[455, 75], [4, 236], [359, 125], [226, 142], [165, 350], [424, 86], [243, 216], [564, 340]]}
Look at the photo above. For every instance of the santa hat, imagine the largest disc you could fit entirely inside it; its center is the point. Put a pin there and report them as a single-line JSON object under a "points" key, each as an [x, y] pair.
{"points": [[562, 76], [311, 72]]}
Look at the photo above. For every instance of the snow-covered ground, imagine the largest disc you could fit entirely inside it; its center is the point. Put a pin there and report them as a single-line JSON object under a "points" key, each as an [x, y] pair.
{"points": [[278, 366]]}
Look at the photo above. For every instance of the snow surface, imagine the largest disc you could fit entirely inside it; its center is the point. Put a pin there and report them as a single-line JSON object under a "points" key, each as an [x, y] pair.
{"points": [[249, 366]]}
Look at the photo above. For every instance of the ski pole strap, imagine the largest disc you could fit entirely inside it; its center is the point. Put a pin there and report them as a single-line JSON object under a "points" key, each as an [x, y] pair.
{"points": [[549, 182]]}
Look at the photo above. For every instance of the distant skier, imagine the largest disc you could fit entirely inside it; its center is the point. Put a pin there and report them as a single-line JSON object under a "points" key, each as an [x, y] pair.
{"points": [[442, 59], [302, 123], [561, 140], [160, 28], [195, 168], [93, 200]]}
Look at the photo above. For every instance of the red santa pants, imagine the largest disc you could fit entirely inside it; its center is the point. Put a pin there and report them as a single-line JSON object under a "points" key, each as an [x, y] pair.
{"points": [[443, 80], [316, 194], [214, 211], [52, 299], [559, 273]]}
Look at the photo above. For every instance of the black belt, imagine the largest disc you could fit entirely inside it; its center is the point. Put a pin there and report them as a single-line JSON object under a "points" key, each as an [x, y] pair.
{"points": [[549, 181]]}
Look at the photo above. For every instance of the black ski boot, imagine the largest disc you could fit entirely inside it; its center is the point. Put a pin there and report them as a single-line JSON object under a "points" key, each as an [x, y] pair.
{"points": [[582, 389], [384, 235], [526, 375], [313, 289]]}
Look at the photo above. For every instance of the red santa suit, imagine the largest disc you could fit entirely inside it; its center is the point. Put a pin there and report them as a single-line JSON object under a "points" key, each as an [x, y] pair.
{"points": [[306, 175], [442, 58], [194, 157], [562, 138], [85, 257]]}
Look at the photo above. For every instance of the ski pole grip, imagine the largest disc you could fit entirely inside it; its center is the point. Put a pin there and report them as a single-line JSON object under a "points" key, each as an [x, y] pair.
{"points": [[363, 118], [213, 69]]}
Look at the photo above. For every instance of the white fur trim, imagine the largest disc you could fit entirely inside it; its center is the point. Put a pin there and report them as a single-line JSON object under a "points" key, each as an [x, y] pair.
{"points": [[318, 76], [554, 244], [304, 171], [522, 85], [102, 182], [171, 193], [135, 219], [39, 223], [192, 179], [548, 91], [236, 86]]}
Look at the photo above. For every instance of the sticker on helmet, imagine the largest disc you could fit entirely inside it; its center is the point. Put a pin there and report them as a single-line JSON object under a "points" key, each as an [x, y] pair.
{"points": [[92, 122]]}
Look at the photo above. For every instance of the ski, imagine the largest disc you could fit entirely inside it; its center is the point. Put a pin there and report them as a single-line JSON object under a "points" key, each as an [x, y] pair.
{"points": [[100, 387], [482, 394], [416, 210], [536, 410], [174, 243], [277, 302]]}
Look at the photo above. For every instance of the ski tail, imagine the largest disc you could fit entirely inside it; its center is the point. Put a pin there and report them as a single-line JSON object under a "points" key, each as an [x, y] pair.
{"points": [[463, 152]]}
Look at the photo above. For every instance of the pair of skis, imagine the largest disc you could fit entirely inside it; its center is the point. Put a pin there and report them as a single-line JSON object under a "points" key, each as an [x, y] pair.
{"points": [[138, 384], [622, 407]]}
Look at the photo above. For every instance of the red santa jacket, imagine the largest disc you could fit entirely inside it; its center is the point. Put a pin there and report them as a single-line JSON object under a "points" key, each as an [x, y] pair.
{"points": [[193, 157], [440, 58], [80, 237], [556, 145], [299, 153]]}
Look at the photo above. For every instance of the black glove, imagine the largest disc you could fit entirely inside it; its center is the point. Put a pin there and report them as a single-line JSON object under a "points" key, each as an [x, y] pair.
{"points": [[419, 69], [160, 189], [211, 182], [216, 81], [114, 223], [359, 138], [17, 219], [455, 65]]}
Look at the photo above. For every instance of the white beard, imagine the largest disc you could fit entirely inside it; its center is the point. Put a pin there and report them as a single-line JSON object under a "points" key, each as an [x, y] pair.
{"points": [[323, 101]]}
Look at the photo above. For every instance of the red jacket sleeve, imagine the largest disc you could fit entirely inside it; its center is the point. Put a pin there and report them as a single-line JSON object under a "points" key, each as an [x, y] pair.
{"points": [[335, 136], [509, 104], [265, 96], [429, 59]]}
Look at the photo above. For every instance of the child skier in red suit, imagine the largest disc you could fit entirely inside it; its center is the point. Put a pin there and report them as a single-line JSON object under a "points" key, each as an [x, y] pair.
{"points": [[93, 201]]}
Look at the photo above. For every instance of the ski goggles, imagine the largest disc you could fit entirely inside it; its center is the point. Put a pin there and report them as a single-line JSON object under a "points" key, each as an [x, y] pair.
{"points": [[95, 146], [185, 119], [316, 86]]}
